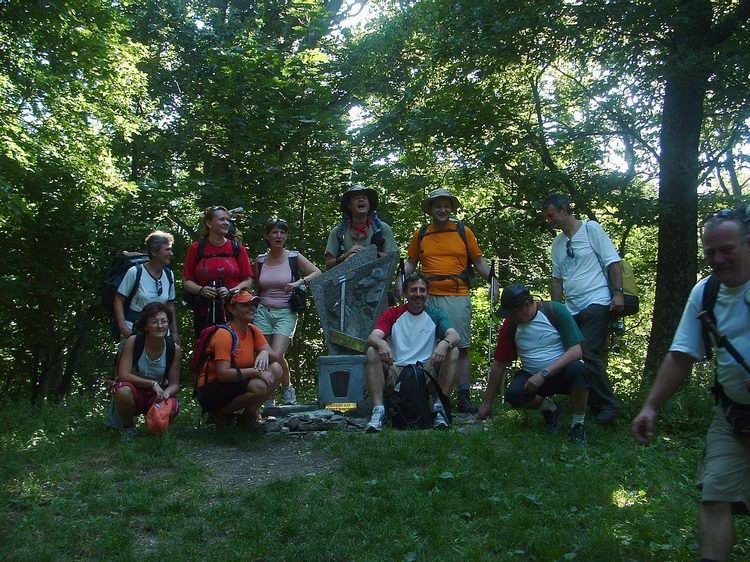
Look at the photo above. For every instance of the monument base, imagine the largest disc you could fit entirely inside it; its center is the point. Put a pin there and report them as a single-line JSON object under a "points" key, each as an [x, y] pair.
{"points": [[341, 378]]}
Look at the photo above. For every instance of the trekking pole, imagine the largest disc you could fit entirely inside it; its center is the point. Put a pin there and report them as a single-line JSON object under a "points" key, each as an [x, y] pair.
{"points": [[401, 276], [723, 341], [213, 304]]}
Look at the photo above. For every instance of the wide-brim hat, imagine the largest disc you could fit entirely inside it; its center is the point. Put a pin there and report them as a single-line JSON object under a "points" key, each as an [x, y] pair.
{"points": [[372, 196], [512, 298], [437, 193]]}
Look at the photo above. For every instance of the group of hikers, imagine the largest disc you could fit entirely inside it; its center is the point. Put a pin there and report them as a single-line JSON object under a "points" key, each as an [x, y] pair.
{"points": [[561, 344]]}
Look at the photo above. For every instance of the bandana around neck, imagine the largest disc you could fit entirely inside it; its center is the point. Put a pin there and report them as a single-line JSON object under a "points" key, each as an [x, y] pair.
{"points": [[360, 231]]}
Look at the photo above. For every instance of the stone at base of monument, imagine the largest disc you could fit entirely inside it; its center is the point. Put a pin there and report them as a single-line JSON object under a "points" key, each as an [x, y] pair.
{"points": [[285, 410], [341, 378]]}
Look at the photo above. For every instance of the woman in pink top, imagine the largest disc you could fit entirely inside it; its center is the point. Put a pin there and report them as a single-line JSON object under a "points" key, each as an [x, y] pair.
{"points": [[275, 282]]}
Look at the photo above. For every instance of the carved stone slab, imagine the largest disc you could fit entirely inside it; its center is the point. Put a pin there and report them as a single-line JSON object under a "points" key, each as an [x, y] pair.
{"points": [[358, 288]]}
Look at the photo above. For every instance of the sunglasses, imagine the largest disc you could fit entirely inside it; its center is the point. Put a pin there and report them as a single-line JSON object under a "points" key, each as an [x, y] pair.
{"points": [[159, 287], [725, 214], [569, 249], [270, 223]]}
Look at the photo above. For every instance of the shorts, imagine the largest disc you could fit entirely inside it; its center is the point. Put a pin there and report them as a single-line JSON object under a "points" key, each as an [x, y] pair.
{"points": [[276, 321], [144, 397], [574, 376], [391, 374], [724, 468], [458, 310], [216, 395]]}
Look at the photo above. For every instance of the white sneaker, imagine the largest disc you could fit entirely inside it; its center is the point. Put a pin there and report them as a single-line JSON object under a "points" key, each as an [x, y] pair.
{"points": [[377, 419], [290, 395], [441, 422]]}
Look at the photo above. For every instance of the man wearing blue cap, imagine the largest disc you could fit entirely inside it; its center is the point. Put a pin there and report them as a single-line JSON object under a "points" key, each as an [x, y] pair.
{"points": [[548, 341]]}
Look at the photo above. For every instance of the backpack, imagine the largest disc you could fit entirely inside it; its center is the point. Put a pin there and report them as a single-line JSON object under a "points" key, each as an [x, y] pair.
{"points": [[545, 308], [121, 263], [629, 286], [140, 344], [191, 299], [409, 403], [298, 298], [377, 237], [201, 356], [467, 274]]}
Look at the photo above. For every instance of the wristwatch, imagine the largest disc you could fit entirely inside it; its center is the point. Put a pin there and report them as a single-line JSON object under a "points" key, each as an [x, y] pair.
{"points": [[619, 290], [545, 373]]}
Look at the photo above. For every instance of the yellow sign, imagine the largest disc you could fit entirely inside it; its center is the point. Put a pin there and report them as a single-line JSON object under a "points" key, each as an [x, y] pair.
{"points": [[342, 406]]}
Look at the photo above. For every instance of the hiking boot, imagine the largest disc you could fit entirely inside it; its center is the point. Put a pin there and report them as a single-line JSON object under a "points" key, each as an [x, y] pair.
{"points": [[376, 421], [552, 419], [578, 435], [290, 396], [465, 405], [441, 422], [604, 417]]}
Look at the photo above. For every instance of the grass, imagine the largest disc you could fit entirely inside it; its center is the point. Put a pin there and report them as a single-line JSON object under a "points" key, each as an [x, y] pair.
{"points": [[497, 491]]}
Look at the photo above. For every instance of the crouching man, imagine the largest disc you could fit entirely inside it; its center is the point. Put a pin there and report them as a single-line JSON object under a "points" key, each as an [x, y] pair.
{"points": [[405, 335], [546, 338]]}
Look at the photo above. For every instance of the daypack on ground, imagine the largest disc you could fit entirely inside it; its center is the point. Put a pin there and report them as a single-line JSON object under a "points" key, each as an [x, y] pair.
{"points": [[409, 403]]}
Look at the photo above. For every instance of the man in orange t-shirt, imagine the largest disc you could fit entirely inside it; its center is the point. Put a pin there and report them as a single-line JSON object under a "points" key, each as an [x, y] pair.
{"points": [[445, 259]]}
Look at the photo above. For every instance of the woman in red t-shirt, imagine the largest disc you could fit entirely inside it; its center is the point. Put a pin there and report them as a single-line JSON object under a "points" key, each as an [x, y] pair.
{"points": [[215, 265]]}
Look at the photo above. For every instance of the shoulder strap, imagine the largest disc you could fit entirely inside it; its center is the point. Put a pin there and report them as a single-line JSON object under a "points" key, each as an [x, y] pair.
{"points": [[134, 290], [170, 276], [201, 250], [710, 293], [138, 346], [235, 248], [461, 229], [293, 265], [171, 348], [548, 310], [340, 229]]}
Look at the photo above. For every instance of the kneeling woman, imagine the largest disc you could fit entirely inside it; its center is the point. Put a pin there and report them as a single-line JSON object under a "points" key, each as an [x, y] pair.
{"points": [[148, 368], [242, 371]]}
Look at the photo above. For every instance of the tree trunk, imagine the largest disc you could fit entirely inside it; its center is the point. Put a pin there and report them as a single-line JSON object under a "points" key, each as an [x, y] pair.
{"points": [[678, 206]]}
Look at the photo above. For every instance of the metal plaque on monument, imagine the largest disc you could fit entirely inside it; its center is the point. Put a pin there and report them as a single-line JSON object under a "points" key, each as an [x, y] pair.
{"points": [[349, 299]]}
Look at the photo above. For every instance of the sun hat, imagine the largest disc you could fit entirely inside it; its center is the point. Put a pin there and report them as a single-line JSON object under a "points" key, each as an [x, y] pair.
{"points": [[435, 194], [372, 195]]}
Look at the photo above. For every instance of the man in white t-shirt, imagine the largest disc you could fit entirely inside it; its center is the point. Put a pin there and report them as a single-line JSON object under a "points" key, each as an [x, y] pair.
{"points": [[581, 254], [406, 335], [724, 472], [548, 342]]}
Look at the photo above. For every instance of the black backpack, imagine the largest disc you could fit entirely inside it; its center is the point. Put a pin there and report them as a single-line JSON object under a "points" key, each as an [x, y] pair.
{"points": [[191, 299], [409, 404], [140, 344], [467, 274], [121, 263]]}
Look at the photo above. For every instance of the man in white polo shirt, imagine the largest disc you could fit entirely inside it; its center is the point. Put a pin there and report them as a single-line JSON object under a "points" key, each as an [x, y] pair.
{"points": [[405, 335]]}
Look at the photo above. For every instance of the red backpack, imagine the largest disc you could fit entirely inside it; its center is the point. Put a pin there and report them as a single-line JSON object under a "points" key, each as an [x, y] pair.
{"points": [[201, 355]]}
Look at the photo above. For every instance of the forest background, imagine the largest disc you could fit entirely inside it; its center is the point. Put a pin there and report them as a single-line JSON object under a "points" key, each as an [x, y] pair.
{"points": [[120, 117]]}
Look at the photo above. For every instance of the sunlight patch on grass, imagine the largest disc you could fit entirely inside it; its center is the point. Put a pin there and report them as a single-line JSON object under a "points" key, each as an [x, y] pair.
{"points": [[628, 498]]}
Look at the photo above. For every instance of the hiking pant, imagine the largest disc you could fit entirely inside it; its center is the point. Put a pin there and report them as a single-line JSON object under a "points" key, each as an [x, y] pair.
{"points": [[593, 321]]}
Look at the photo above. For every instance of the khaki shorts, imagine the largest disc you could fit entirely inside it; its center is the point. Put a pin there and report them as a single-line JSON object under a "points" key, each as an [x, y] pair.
{"points": [[724, 468], [458, 310], [391, 374], [276, 321]]}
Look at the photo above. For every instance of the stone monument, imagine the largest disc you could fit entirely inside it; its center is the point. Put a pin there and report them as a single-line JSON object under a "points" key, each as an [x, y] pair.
{"points": [[349, 299]]}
